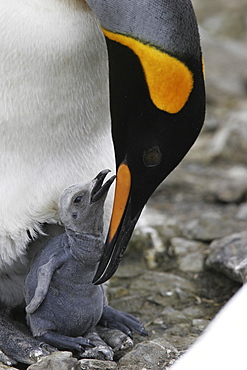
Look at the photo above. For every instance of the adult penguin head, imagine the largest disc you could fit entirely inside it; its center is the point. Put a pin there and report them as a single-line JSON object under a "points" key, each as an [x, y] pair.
{"points": [[157, 103]]}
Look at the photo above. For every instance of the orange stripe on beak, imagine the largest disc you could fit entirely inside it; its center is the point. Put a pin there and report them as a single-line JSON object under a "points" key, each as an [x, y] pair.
{"points": [[122, 191]]}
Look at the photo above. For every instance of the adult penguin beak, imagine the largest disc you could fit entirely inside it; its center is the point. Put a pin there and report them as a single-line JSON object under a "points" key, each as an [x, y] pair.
{"points": [[121, 226]]}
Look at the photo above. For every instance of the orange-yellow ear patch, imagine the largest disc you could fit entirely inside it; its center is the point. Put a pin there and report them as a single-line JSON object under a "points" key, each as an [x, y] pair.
{"points": [[169, 81]]}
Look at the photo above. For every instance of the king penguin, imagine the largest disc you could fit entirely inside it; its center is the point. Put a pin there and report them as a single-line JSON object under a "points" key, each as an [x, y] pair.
{"points": [[86, 86]]}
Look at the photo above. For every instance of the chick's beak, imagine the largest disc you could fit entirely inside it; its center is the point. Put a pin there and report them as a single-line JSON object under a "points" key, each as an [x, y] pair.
{"points": [[99, 190]]}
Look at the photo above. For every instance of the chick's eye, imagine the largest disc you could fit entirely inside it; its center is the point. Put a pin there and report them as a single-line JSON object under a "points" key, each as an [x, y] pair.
{"points": [[78, 199], [152, 157]]}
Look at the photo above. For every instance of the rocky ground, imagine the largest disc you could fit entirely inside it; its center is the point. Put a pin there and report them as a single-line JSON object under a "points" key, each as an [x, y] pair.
{"points": [[172, 276]]}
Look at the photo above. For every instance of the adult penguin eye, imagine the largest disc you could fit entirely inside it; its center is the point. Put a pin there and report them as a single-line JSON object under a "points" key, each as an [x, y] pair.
{"points": [[78, 199], [152, 157]]}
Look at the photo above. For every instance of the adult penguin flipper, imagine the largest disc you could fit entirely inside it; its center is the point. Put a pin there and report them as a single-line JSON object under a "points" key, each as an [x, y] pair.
{"points": [[157, 99]]}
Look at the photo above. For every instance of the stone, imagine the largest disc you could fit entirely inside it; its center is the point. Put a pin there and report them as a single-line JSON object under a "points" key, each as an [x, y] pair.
{"points": [[162, 282], [242, 212], [163, 289], [152, 232], [190, 254], [232, 187], [230, 142], [172, 316], [117, 340], [57, 360], [5, 361], [5, 367], [227, 20], [182, 330], [147, 241], [229, 255], [155, 354], [199, 325], [209, 226], [88, 364], [224, 67], [166, 226], [193, 312]]}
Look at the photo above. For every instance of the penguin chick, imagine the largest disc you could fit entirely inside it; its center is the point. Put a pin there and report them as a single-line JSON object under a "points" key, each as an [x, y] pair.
{"points": [[62, 302]]}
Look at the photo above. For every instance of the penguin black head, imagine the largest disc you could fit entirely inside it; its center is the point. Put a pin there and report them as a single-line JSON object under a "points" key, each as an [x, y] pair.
{"points": [[157, 103]]}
